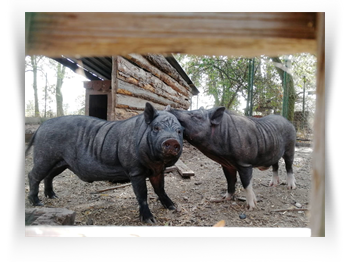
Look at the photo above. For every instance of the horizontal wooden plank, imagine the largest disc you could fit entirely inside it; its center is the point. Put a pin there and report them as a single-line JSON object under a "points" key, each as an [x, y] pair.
{"points": [[135, 103], [105, 34], [170, 169], [98, 85], [183, 169], [131, 90]]}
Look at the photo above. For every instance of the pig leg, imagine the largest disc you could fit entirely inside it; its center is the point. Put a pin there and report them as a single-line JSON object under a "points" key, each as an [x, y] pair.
{"points": [[43, 169], [231, 177], [246, 174], [140, 189], [275, 180], [34, 181], [290, 174], [288, 160], [48, 191], [157, 182]]}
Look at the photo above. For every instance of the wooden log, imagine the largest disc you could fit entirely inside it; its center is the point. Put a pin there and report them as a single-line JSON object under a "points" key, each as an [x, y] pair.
{"points": [[135, 103], [183, 169], [157, 71], [142, 62], [136, 91], [180, 100], [104, 34], [135, 75], [163, 64]]}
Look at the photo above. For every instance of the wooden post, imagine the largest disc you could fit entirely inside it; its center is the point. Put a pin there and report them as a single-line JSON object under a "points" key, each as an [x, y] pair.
{"points": [[317, 218], [28, 20], [114, 87]]}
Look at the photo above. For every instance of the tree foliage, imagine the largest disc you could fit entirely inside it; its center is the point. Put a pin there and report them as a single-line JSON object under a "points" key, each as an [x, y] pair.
{"points": [[226, 79]]}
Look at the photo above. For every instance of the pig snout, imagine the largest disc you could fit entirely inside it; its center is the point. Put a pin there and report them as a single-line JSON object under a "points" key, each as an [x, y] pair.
{"points": [[171, 147]]}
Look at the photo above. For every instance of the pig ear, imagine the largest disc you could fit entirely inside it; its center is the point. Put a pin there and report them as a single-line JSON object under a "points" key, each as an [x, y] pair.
{"points": [[150, 113], [168, 108], [216, 115]]}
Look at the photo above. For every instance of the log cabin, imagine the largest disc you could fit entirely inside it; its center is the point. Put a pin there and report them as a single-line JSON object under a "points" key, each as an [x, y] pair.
{"points": [[152, 78]]}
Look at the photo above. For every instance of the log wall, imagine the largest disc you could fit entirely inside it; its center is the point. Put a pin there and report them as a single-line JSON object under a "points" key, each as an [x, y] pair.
{"points": [[142, 79]]}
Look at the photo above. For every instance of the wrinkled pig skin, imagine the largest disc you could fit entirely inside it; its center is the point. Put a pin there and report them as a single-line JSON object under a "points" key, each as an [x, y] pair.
{"points": [[240, 143], [94, 149]]}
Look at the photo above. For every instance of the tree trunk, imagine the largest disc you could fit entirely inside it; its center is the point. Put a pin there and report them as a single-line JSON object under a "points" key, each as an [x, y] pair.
{"points": [[59, 97], [35, 85], [290, 88]]}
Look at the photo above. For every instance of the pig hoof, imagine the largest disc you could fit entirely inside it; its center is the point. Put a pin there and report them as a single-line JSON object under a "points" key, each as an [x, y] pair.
{"points": [[35, 201], [167, 203], [228, 196], [292, 186], [172, 207], [51, 195], [274, 182], [38, 204], [150, 220], [291, 181]]}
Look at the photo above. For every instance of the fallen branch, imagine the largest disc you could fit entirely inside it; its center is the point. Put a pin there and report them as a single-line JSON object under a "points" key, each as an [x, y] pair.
{"points": [[264, 185], [116, 187], [294, 209], [218, 200]]}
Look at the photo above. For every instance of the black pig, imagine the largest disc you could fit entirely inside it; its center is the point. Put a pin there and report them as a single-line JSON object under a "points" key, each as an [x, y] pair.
{"points": [[240, 143], [94, 149]]}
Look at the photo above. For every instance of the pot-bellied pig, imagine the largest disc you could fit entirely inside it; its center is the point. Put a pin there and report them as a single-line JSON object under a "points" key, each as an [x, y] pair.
{"points": [[240, 143], [94, 149]]}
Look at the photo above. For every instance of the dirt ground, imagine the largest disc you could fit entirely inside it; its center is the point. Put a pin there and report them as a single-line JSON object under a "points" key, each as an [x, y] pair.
{"points": [[195, 197]]}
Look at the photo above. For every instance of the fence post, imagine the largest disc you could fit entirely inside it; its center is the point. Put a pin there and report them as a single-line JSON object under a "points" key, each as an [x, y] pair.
{"points": [[285, 105], [249, 109]]}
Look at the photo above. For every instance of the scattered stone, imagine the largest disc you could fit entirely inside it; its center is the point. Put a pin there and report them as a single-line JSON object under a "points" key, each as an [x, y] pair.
{"points": [[49, 216], [242, 216], [298, 205]]}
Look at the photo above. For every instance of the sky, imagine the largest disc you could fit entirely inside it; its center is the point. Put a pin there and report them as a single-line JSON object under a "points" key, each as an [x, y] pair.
{"points": [[72, 88]]}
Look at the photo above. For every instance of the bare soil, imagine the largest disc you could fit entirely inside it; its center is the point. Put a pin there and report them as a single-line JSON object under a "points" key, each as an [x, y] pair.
{"points": [[195, 197]]}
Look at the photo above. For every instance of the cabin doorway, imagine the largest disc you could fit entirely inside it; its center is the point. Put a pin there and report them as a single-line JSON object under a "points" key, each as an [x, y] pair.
{"points": [[98, 106]]}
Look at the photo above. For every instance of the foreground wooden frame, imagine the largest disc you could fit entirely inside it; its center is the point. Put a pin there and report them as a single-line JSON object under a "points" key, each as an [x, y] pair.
{"points": [[236, 34]]}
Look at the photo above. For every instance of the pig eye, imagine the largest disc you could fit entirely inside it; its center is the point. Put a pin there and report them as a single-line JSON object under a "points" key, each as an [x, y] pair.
{"points": [[156, 128], [199, 117]]}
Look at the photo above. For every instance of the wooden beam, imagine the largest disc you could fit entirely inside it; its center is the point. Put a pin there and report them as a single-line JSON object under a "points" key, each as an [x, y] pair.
{"points": [[317, 218], [28, 22], [105, 34]]}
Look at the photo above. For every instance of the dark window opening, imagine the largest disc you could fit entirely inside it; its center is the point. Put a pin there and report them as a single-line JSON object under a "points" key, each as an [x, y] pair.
{"points": [[98, 106]]}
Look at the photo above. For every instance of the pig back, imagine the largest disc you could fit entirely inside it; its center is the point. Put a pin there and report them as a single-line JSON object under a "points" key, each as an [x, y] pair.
{"points": [[256, 141]]}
